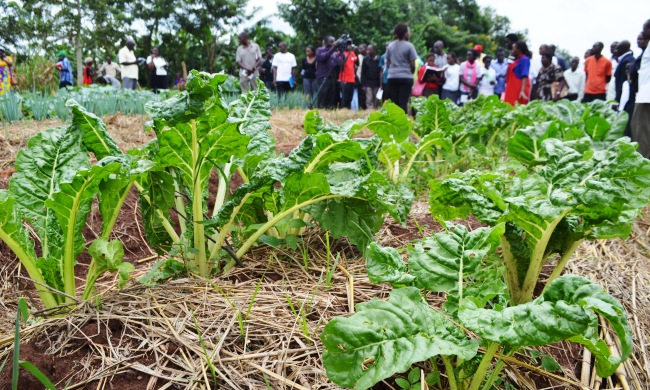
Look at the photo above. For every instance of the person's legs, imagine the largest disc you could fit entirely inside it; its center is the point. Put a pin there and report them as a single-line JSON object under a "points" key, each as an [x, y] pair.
{"points": [[322, 92], [244, 84], [403, 93], [282, 87], [361, 92], [572, 97], [641, 128], [370, 93], [348, 91], [64, 84], [129, 83]]}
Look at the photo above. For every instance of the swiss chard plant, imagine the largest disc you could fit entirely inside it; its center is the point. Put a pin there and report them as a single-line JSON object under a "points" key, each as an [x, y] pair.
{"points": [[384, 338], [52, 193], [552, 194], [329, 179]]}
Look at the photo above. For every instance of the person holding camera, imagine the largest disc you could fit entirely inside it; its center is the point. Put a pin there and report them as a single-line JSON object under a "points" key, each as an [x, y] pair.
{"points": [[347, 77], [327, 72], [400, 59]]}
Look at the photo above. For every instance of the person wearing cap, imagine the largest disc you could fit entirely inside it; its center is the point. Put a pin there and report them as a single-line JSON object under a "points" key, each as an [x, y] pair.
{"points": [[479, 54], [129, 70], [65, 70], [89, 72]]}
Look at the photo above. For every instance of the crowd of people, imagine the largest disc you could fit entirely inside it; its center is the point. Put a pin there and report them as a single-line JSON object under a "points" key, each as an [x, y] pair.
{"points": [[339, 74]]}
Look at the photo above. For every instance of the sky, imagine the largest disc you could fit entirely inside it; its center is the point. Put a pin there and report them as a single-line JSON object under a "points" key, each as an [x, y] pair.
{"points": [[573, 25]]}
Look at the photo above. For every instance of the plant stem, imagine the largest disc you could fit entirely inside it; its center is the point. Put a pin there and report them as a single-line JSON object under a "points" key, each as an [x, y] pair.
{"points": [[164, 221], [222, 188], [277, 218], [483, 366], [494, 374], [537, 260], [557, 271], [49, 300], [451, 375], [225, 229], [512, 279], [200, 260]]}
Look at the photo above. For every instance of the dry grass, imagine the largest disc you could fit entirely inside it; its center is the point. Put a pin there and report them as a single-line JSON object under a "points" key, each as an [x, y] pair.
{"points": [[161, 328]]}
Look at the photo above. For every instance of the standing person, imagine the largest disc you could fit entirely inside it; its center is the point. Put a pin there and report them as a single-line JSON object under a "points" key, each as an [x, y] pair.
{"points": [[383, 81], [450, 89], [6, 73], [284, 68], [371, 76], [575, 79], [361, 52], [471, 73], [559, 59], [633, 76], [65, 70], [400, 58], [249, 58], [108, 68], [440, 58], [489, 79], [549, 74], [157, 70], [326, 72], [478, 54], [500, 67], [587, 53], [611, 85], [266, 70], [308, 73], [625, 57], [347, 60], [89, 72], [641, 117], [517, 80], [432, 85], [511, 39], [599, 71], [129, 70]]}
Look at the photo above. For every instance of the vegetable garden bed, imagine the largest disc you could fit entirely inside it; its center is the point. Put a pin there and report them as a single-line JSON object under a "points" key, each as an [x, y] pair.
{"points": [[262, 325]]}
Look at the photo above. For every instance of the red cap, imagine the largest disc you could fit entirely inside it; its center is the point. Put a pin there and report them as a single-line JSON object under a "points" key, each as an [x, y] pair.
{"points": [[478, 47]]}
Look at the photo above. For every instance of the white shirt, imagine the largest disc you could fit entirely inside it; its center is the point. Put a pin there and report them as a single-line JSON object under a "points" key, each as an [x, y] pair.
{"points": [[159, 63], [643, 96], [452, 78], [284, 62], [360, 57], [129, 71], [576, 81], [485, 87]]}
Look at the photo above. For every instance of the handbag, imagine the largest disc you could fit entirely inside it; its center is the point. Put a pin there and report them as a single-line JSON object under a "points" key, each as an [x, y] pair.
{"points": [[418, 88], [563, 90]]}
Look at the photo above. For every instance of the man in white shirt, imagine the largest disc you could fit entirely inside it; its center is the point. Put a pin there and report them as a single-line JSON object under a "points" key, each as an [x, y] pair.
{"points": [[611, 86], [109, 68], [575, 79], [641, 117], [284, 68], [249, 58], [129, 70], [450, 90]]}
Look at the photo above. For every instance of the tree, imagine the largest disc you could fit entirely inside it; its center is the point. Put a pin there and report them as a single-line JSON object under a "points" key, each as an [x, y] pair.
{"points": [[312, 20]]}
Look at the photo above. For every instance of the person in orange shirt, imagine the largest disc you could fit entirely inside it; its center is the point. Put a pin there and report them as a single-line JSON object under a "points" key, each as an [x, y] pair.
{"points": [[348, 61], [599, 72]]}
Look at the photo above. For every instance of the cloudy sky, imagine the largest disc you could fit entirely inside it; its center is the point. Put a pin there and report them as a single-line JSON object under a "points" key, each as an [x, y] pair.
{"points": [[571, 24]]}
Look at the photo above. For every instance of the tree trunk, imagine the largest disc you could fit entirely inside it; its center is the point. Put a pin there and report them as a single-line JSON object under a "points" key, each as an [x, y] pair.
{"points": [[77, 46]]}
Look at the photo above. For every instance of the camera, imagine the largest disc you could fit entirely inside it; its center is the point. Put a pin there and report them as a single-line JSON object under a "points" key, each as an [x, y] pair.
{"points": [[344, 41]]}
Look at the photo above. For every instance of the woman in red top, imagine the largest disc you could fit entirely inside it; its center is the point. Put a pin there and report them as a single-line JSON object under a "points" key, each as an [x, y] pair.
{"points": [[432, 85], [517, 80], [88, 71]]}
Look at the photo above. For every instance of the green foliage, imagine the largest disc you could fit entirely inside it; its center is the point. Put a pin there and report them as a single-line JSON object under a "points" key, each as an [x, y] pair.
{"points": [[53, 191]]}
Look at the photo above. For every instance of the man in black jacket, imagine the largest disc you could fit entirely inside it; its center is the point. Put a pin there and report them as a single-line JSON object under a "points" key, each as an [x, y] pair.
{"points": [[625, 57]]}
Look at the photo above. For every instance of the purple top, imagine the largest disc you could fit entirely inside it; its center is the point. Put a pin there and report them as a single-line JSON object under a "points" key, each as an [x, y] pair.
{"points": [[325, 62], [522, 69]]}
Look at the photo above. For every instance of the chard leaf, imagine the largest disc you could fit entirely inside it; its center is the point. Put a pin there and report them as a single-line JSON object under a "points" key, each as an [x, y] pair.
{"points": [[391, 124], [567, 310], [155, 202], [384, 264], [439, 262], [386, 337], [108, 256], [50, 157], [95, 137], [433, 116]]}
